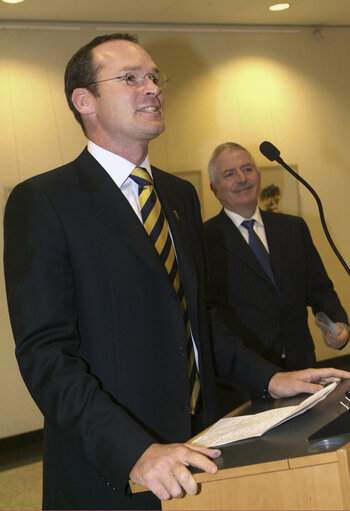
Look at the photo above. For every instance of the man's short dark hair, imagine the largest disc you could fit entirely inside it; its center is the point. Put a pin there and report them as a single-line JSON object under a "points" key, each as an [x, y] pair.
{"points": [[81, 69]]}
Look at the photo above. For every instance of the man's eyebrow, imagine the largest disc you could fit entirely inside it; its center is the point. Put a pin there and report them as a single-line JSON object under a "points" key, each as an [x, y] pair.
{"points": [[137, 68], [233, 169]]}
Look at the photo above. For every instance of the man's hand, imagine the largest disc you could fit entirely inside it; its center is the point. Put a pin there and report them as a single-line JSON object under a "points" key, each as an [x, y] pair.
{"points": [[162, 468], [338, 340], [308, 380]]}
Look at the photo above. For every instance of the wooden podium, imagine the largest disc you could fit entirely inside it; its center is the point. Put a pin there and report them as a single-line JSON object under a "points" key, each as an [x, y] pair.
{"points": [[320, 481], [302, 464]]}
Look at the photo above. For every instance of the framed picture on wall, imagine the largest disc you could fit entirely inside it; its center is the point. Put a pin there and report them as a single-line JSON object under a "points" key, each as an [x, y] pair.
{"points": [[194, 177], [279, 190]]}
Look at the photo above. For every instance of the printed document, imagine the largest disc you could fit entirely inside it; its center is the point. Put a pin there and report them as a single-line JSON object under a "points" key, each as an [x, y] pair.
{"points": [[232, 429]]}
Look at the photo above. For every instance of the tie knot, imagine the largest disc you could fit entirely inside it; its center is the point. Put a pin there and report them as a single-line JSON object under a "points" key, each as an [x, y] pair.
{"points": [[248, 224], [141, 177]]}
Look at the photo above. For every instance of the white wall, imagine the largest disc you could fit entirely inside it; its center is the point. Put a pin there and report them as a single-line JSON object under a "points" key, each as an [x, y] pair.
{"points": [[288, 87]]}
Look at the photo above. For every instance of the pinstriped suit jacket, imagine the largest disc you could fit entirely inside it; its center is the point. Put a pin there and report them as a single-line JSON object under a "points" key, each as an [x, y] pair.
{"points": [[247, 300]]}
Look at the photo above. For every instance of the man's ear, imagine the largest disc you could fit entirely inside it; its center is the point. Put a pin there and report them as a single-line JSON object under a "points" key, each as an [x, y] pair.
{"points": [[82, 100], [213, 189]]}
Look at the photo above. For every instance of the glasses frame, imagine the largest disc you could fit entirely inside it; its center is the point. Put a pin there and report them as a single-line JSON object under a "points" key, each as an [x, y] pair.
{"points": [[139, 83]]}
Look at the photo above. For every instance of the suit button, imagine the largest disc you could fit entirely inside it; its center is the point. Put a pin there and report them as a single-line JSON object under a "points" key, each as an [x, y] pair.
{"points": [[182, 352], [187, 410]]}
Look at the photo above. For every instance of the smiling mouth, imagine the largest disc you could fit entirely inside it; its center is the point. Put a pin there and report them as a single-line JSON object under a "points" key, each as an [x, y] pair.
{"points": [[242, 190], [150, 109]]}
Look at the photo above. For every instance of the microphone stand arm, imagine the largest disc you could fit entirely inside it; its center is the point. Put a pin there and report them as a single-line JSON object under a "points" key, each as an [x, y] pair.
{"points": [[320, 208]]}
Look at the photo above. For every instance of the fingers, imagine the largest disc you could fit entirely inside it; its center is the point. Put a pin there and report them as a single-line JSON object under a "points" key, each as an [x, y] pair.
{"points": [[308, 388], [199, 457], [334, 341], [338, 340], [326, 381], [325, 372], [309, 381], [329, 339], [163, 468], [185, 482], [285, 384], [297, 384], [206, 451]]}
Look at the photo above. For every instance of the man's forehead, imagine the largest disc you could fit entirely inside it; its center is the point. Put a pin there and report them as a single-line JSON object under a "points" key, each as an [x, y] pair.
{"points": [[116, 43], [119, 49], [234, 157], [122, 56]]}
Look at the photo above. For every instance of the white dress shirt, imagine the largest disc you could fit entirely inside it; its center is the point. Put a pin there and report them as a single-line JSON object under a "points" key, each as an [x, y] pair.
{"points": [[258, 225], [120, 169], [258, 228]]}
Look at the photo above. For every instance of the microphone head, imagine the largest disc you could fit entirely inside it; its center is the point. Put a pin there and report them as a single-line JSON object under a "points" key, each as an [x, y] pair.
{"points": [[269, 150]]}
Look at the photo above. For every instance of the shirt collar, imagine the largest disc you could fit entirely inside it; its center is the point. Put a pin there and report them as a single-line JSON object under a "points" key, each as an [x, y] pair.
{"points": [[238, 219], [117, 167]]}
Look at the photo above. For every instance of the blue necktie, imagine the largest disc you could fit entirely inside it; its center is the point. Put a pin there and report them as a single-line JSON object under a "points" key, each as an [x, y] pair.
{"points": [[260, 251]]}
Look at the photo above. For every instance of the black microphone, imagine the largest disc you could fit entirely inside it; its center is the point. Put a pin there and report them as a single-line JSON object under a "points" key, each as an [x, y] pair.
{"points": [[273, 154], [269, 150]]}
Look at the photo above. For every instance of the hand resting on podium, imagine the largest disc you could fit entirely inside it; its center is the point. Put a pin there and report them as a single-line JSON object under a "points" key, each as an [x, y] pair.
{"points": [[309, 381], [163, 468]]}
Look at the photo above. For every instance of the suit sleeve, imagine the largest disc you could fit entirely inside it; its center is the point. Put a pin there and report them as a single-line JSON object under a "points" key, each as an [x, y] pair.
{"points": [[43, 311], [235, 363], [321, 293]]}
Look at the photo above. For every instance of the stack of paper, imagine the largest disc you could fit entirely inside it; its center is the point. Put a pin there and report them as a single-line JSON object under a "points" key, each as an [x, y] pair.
{"points": [[242, 427]]}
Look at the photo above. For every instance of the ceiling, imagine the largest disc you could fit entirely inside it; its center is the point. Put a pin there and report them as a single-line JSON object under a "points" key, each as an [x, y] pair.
{"points": [[246, 12]]}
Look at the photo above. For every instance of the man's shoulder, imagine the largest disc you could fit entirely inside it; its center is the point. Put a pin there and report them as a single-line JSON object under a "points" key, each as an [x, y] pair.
{"points": [[61, 176], [52, 177], [290, 227], [60, 182], [174, 185], [214, 220], [168, 177], [281, 218], [215, 224]]}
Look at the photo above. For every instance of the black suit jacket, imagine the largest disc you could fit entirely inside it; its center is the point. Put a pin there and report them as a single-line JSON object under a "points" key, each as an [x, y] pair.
{"points": [[99, 331], [246, 298]]}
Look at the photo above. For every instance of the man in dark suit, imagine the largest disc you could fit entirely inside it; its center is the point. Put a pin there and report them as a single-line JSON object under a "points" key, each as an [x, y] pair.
{"points": [[105, 333], [269, 314]]}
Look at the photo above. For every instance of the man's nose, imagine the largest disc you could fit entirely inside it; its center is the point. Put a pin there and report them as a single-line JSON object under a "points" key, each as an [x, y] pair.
{"points": [[149, 87], [240, 176]]}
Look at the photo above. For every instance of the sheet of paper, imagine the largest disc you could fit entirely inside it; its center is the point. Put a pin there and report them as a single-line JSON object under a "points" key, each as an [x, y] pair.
{"points": [[232, 429]]}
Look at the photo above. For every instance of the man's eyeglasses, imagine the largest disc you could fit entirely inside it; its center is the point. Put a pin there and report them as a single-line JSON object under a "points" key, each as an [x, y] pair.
{"points": [[137, 80]]}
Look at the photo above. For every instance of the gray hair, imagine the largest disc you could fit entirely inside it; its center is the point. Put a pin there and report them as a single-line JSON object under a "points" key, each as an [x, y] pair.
{"points": [[226, 146]]}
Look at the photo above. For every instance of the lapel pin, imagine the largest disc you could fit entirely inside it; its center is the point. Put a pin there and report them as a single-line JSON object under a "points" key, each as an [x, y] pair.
{"points": [[176, 214]]}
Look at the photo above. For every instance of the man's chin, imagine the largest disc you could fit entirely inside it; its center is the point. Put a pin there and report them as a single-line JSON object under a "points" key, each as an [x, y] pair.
{"points": [[155, 129]]}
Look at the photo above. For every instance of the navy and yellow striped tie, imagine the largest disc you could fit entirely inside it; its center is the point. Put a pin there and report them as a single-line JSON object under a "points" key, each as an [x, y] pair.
{"points": [[157, 228]]}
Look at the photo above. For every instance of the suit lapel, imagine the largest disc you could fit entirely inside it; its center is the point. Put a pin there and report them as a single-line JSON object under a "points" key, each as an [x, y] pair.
{"points": [[176, 215], [274, 235], [229, 236], [109, 204], [175, 211]]}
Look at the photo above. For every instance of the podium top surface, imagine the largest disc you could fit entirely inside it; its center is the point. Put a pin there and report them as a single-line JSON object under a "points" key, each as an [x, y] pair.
{"points": [[323, 428]]}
